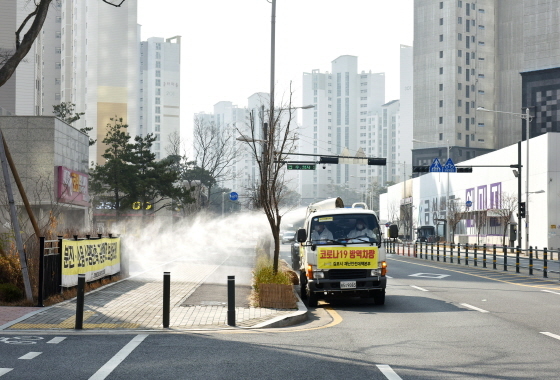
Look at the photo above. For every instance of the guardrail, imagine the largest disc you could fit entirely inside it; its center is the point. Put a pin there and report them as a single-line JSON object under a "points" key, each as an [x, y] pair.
{"points": [[498, 257]]}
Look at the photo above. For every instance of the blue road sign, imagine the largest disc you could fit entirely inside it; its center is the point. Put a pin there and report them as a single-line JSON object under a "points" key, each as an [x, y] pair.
{"points": [[449, 167], [436, 166], [233, 196], [469, 203]]}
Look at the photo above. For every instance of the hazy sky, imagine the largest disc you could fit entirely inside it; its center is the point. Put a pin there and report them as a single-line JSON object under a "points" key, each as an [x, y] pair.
{"points": [[225, 45]]}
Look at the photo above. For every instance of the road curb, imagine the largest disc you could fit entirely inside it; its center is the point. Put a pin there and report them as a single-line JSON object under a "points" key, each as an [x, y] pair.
{"points": [[294, 318]]}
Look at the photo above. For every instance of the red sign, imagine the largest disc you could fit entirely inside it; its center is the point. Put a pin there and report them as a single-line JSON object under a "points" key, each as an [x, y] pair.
{"points": [[73, 187]]}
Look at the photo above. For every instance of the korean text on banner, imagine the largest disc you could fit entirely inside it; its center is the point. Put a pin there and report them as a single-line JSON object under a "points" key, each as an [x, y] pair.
{"points": [[94, 258], [347, 257]]}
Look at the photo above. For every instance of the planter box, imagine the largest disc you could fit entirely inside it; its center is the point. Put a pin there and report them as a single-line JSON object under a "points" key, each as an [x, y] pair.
{"points": [[277, 296]]}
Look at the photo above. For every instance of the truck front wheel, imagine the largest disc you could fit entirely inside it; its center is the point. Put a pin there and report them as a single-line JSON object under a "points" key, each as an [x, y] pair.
{"points": [[379, 297], [303, 285], [312, 299]]}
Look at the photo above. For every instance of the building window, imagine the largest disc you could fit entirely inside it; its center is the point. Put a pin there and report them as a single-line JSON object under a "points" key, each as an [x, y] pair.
{"points": [[57, 34], [441, 119], [441, 103], [440, 70], [158, 64], [441, 54], [481, 75], [158, 55], [441, 38], [57, 65], [459, 103], [158, 91], [459, 119], [158, 82], [468, 27], [480, 10], [481, 27], [459, 20], [158, 109], [440, 136], [158, 100], [158, 73], [441, 86], [481, 43], [157, 119], [459, 36], [157, 128], [459, 86], [441, 5], [481, 92], [481, 125], [459, 70], [460, 3], [441, 21], [459, 53], [57, 50], [459, 136], [158, 46]]}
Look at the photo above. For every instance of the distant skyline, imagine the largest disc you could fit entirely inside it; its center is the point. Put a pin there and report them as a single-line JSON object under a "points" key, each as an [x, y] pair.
{"points": [[225, 44]]}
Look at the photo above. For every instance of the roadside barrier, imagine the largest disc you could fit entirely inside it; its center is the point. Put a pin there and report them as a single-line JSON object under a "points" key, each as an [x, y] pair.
{"points": [[231, 300], [526, 261], [79, 322], [166, 298]]}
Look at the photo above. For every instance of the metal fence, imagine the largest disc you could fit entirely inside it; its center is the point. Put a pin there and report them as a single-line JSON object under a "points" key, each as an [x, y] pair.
{"points": [[545, 261], [50, 269]]}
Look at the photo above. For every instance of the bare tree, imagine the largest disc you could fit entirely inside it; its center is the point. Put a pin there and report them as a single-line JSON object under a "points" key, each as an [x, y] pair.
{"points": [[215, 150], [270, 147], [508, 205], [454, 216], [10, 60], [480, 219]]}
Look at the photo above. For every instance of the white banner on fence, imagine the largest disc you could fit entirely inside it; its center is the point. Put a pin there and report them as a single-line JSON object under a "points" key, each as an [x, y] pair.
{"points": [[95, 258]]}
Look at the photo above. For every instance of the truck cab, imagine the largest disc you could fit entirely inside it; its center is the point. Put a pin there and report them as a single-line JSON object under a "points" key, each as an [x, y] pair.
{"points": [[341, 253]]}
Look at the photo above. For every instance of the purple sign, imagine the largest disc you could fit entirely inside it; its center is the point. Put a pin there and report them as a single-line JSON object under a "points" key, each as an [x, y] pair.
{"points": [[481, 197], [496, 195]]}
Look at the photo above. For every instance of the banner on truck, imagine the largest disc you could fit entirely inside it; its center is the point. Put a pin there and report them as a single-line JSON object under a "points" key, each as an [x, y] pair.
{"points": [[94, 258], [347, 257]]}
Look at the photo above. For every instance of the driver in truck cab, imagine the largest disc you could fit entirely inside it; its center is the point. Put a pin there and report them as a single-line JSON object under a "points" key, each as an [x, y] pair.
{"points": [[360, 230], [320, 232]]}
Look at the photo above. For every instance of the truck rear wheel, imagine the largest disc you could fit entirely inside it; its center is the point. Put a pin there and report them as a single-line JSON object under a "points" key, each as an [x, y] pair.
{"points": [[379, 297]]}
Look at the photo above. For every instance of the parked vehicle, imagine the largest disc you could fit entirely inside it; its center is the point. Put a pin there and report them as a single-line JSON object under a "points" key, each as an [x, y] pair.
{"points": [[288, 236], [341, 253]]}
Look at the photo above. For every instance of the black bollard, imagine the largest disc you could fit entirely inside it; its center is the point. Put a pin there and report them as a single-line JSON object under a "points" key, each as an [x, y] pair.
{"points": [[231, 300], [545, 263], [166, 298], [79, 324]]}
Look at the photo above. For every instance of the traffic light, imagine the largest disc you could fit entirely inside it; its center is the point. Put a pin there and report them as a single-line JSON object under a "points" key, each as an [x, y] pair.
{"points": [[377, 161], [466, 169], [420, 169], [521, 209], [328, 160]]}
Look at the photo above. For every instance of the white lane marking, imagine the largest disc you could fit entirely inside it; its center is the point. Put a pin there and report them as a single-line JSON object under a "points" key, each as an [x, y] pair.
{"points": [[551, 335], [56, 340], [550, 291], [4, 371], [106, 370], [30, 355], [388, 372], [434, 276], [419, 288], [474, 308]]}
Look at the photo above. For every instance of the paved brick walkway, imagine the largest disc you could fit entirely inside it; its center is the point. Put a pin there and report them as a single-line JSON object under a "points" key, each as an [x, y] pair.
{"points": [[137, 303]]}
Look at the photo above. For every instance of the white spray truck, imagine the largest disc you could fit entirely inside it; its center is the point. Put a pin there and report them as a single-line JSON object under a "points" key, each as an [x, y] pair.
{"points": [[341, 253]]}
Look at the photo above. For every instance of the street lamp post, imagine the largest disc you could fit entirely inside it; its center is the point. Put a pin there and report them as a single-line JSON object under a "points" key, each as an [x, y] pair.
{"points": [[525, 116]]}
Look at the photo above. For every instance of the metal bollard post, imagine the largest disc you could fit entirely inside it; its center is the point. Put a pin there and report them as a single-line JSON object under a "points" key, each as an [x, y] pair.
{"points": [[166, 298], [505, 258], [231, 300], [458, 253], [79, 323], [421, 250], [545, 263], [466, 254], [451, 253], [517, 253], [445, 253], [475, 248], [494, 256], [437, 248], [530, 260], [431, 251], [484, 255]]}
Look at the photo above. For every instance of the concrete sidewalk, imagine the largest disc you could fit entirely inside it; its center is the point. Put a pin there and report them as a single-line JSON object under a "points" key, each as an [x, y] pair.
{"points": [[136, 303]]}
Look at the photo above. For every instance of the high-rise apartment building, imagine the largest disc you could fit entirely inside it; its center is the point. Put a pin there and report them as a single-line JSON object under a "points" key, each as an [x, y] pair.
{"points": [[159, 96], [100, 65], [345, 119], [35, 86], [499, 55]]}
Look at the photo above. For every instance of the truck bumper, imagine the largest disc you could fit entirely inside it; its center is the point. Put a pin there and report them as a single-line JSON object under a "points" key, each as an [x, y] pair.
{"points": [[364, 286]]}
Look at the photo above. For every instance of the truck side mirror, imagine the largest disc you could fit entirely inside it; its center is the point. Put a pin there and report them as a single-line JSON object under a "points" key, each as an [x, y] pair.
{"points": [[393, 231], [301, 235]]}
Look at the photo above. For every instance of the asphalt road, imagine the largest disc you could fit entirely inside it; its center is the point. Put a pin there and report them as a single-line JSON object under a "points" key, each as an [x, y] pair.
{"points": [[439, 321]]}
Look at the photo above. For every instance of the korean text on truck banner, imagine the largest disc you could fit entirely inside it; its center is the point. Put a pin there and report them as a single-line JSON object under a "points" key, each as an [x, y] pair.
{"points": [[347, 257], [94, 258]]}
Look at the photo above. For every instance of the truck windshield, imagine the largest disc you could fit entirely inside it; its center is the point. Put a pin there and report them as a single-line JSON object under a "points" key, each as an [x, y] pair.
{"points": [[345, 229]]}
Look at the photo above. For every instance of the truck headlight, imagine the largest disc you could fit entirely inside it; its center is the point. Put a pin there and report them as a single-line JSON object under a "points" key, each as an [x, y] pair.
{"points": [[319, 274], [374, 272]]}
